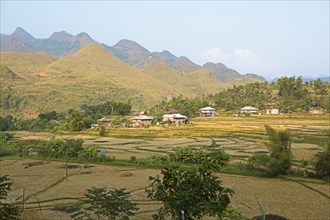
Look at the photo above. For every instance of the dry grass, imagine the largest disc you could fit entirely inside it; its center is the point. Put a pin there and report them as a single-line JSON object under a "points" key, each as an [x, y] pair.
{"points": [[284, 198]]}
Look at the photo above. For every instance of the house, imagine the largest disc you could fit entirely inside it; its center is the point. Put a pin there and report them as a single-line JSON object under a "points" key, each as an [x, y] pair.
{"points": [[249, 109], [105, 122], [207, 112], [273, 111], [141, 120], [176, 119]]}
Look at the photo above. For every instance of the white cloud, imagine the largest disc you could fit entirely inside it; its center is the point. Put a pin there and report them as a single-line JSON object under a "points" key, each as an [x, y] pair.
{"points": [[243, 60], [214, 55]]}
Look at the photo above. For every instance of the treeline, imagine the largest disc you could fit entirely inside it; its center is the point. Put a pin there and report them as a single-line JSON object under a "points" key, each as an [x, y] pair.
{"points": [[288, 94], [72, 120]]}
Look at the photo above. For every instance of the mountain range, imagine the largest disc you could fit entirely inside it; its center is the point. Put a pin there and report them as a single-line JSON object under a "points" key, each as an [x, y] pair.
{"points": [[62, 43], [66, 71]]}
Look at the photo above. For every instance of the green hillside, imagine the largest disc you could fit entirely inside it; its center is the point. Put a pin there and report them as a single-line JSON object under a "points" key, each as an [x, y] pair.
{"points": [[91, 76]]}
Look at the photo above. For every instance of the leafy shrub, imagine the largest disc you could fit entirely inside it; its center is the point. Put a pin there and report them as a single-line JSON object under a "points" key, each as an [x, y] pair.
{"points": [[106, 203], [213, 159], [322, 163], [6, 136], [258, 161]]}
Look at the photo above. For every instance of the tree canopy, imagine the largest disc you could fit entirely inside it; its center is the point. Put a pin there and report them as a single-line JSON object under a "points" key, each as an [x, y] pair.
{"points": [[193, 192]]}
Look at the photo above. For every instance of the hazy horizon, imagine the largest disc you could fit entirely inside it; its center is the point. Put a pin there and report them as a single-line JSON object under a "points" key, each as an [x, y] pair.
{"points": [[270, 39]]}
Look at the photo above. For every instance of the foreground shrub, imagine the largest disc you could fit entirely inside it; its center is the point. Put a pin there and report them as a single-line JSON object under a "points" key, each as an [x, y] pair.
{"points": [[322, 163], [280, 150], [106, 204], [188, 193], [7, 210]]}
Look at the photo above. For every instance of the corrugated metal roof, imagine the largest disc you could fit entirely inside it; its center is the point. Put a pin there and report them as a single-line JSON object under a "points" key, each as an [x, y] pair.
{"points": [[142, 117]]}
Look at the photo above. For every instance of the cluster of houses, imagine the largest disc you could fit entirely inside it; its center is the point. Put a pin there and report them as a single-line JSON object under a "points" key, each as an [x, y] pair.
{"points": [[178, 119]]}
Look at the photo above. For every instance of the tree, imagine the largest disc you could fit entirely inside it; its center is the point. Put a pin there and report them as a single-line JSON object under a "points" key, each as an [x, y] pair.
{"points": [[106, 203], [6, 123], [193, 192], [322, 163], [76, 121], [7, 210], [280, 149]]}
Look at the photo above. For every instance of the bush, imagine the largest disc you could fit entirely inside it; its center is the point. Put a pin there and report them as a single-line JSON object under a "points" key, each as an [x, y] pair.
{"points": [[258, 161], [213, 159], [192, 193], [106, 203], [322, 163], [6, 136], [275, 167]]}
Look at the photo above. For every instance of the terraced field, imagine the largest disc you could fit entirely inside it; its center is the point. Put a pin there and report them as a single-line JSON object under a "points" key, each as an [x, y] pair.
{"points": [[46, 187]]}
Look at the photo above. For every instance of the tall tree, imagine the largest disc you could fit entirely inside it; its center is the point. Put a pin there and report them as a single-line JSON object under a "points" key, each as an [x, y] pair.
{"points": [[188, 192], [280, 148], [76, 121]]}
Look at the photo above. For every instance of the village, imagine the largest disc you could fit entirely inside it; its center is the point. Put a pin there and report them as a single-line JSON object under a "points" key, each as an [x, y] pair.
{"points": [[174, 118]]}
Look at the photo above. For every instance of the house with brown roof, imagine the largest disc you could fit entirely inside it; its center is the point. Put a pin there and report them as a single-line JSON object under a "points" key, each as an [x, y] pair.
{"points": [[141, 120]]}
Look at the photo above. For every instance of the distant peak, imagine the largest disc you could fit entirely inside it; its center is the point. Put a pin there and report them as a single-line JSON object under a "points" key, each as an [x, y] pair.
{"points": [[130, 45], [62, 35], [22, 35], [83, 34]]}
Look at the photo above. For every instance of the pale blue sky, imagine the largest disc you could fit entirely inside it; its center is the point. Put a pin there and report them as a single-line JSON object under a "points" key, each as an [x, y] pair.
{"points": [[269, 38]]}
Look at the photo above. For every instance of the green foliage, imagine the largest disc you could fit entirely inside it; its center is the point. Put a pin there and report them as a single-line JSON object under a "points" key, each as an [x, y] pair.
{"points": [[214, 159], [68, 148], [6, 136], [185, 106], [102, 131], [8, 99], [106, 204], [243, 95], [288, 94], [280, 150], [108, 108], [76, 121], [232, 214], [195, 191], [47, 116], [7, 210], [120, 121], [258, 161], [322, 163], [6, 123]]}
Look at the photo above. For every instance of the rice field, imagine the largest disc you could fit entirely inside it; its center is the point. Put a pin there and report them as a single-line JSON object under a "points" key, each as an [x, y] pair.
{"points": [[46, 187], [45, 184]]}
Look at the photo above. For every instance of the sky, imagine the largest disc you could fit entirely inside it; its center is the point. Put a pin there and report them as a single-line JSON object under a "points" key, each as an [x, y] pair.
{"points": [[268, 38]]}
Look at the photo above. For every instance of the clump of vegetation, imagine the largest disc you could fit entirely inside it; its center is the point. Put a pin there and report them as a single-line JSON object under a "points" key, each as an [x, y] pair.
{"points": [[214, 159], [105, 203], [7, 210], [280, 150], [322, 163], [188, 193]]}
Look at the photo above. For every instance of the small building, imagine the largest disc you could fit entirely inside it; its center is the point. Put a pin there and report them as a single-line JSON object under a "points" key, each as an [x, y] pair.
{"points": [[105, 122], [207, 112], [176, 119], [141, 120], [95, 126], [273, 111], [249, 109]]}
